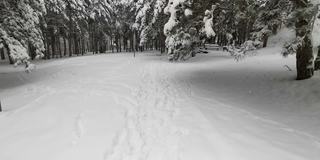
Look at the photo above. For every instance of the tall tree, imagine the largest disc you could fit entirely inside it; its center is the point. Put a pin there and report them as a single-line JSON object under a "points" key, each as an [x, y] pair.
{"points": [[20, 28], [303, 18]]}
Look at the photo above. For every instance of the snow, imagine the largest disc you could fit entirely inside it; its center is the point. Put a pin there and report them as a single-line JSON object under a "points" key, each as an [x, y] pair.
{"points": [[171, 9], [208, 23], [188, 12], [116, 107]]}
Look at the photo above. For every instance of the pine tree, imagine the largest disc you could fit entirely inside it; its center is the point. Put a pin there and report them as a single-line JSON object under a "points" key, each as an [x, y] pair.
{"points": [[270, 19], [19, 29], [303, 18]]}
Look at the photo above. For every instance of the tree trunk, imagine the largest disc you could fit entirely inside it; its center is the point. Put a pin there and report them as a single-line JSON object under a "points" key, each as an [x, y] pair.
{"points": [[32, 52], [53, 45], [70, 47], [76, 44], [117, 43], [64, 46], [2, 54], [120, 43], [265, 41], [305, 67], [82, 45], [59, 47], [317, 61], [46, 43], [11, 61]]}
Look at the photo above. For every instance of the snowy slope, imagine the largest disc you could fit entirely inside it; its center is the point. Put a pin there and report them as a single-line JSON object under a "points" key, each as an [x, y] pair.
{"points": [[114, 107]]}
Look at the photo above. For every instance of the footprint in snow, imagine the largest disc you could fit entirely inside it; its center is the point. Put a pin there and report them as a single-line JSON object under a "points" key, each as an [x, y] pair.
{"points": [[78, 129]]}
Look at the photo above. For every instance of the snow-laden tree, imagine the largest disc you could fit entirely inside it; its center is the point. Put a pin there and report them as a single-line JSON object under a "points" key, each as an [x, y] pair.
{"points": [[99, 19], [149, 22], [30, 28], [77, 22], [179, 30], [271, 18], [232, 20], [305, 19], [208, 23], [20, 28]]}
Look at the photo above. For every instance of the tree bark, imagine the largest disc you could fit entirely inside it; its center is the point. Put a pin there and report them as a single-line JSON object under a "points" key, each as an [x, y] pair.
{"points": [[76, 44], [2, 54], [70, 47], [59, 47], [305, 67], [53, 45], [317, 61], [32, 52], [11, 61], [265, 41], [64, 46]]}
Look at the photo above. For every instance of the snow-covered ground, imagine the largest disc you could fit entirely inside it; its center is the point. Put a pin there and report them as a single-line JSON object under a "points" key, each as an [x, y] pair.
{"points": [[115, 107]]}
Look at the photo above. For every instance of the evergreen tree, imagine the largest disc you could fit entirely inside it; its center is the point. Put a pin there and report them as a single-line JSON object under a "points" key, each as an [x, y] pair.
{"points": [[20, 29], [303, 18], [271, 18]]}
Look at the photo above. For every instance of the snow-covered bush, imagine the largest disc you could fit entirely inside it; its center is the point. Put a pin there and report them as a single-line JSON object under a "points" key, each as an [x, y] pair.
{"points": [[244, 50], [179, 46], [290, 48]]}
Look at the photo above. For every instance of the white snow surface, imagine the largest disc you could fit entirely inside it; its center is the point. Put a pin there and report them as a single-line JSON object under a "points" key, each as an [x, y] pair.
{"points": [[115, 107]]}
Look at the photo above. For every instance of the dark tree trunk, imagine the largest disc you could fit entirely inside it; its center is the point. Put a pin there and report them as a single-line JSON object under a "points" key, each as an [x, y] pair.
{"points": [[97, 46], [120, 44], [64, 46], [117, 43], [305, 68], [47, 49], [53, 45], [304, 55], [46, 52], [82, 45], [317, 61], [2, 54], [32, 52], [70, 47], [76, 44], [70, 25], [112, 44], [163, 44], [59, 47], [131, 42], [265, 41], [11, 61]]}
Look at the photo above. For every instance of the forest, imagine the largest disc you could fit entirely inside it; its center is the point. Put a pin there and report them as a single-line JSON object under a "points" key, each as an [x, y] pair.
{"points": [[47, 29], [159, 79]]}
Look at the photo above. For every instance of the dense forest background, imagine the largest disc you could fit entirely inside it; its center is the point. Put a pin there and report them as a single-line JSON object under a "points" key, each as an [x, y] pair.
{"points": [[49, 29]]}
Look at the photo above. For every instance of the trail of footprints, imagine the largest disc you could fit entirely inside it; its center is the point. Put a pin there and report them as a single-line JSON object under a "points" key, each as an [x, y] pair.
{"points": [[150, 132]]}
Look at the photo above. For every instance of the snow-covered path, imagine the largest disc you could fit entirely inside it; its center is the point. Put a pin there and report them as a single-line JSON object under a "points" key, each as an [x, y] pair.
{"points": [[114, 107]]}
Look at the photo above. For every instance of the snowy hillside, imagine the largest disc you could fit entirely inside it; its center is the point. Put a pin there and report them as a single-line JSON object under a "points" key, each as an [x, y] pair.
{"points": [[115, 107]]}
